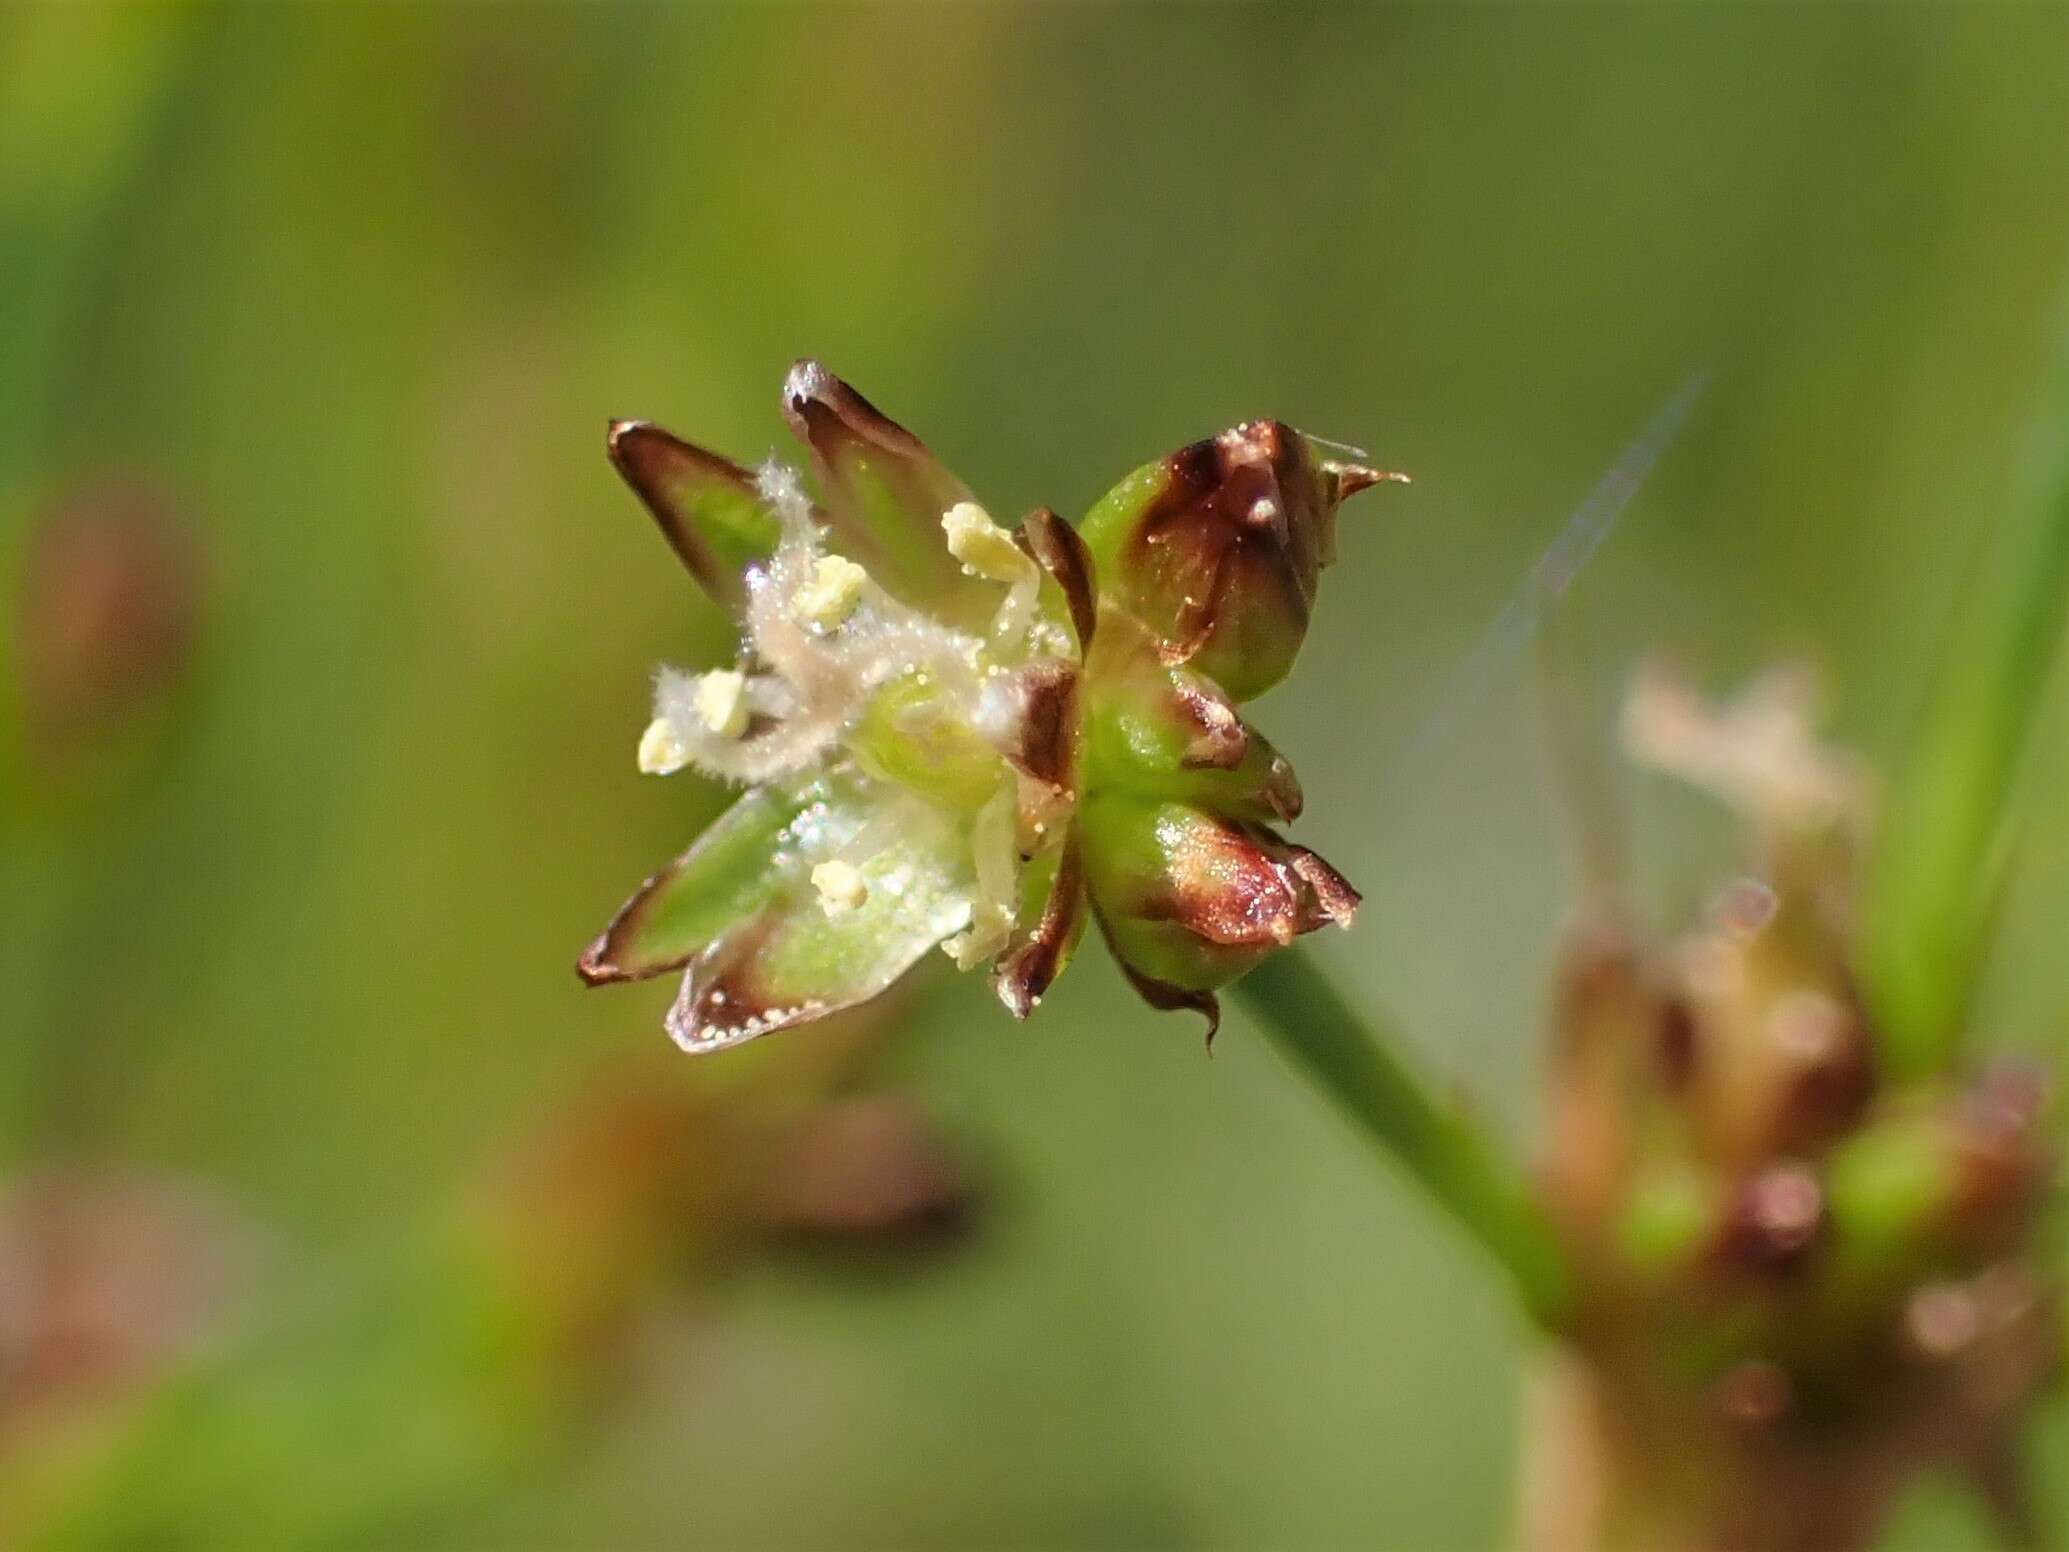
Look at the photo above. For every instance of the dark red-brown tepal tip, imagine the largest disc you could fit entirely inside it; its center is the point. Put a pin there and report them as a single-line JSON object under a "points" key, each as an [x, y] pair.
{"points": [[814, 400], [695, 496], [1167, 998], [1031, 963], [884, 492], [1347, 479], [594, 968], [1058, 550], [1335, 899]]}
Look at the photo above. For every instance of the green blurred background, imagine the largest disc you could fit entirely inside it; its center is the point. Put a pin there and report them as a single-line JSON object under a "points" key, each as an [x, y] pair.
{"points": [[330, 305]]}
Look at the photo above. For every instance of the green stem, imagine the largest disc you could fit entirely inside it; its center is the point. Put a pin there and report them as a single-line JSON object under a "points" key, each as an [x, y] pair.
{"points": [[1438, 1145]]}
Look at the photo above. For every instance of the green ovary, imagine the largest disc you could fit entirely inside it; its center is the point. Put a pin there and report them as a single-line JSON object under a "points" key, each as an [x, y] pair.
{"points": [[914, 736]]}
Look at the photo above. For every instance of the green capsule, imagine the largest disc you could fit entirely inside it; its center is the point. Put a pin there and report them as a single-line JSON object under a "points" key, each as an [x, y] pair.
{"points": [[1189, 900], [1218, 549], [1168, 732], [911, 734]]}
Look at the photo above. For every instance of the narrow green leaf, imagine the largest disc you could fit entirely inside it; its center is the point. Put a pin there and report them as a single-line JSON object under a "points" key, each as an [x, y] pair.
{"points": [[1933, 889]]}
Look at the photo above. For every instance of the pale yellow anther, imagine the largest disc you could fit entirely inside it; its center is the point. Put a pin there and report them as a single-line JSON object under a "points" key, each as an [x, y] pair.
{"points": [[721, 701], [841, 886], [661, 751], [983, 546], [978, 942], [830, 596]]}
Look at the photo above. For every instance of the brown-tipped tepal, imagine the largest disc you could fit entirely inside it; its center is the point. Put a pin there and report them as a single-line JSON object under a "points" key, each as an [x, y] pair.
{"points": [[706, 505]]}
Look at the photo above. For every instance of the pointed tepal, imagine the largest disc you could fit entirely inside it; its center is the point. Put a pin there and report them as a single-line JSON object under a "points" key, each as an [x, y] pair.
{"points": [[885, 494], [706, 505]]}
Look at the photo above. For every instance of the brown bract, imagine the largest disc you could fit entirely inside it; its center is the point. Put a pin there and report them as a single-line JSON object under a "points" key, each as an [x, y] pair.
{"points": [[1166, 997]]}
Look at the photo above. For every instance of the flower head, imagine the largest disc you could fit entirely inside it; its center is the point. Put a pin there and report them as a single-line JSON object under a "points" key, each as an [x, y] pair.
{"points": [[953, 733]]}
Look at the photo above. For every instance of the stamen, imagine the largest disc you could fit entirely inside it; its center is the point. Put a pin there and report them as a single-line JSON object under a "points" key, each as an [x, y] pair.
{"points": [[826, 601], [841, 886], [984, 548], [996, 862], [721, 702], [987, 550], [661, 749]]}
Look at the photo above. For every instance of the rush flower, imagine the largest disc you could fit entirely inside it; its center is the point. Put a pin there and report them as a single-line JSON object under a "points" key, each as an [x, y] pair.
{"points": [[951, 733], [1792, 1262]]}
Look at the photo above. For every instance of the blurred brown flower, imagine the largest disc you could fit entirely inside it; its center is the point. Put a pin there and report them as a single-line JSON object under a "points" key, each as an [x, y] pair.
{"points": [[109, 610]]}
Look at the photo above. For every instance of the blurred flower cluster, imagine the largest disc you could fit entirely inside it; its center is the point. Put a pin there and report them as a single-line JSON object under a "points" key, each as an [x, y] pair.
{"points": [[1803, 1279], [952, 733]]}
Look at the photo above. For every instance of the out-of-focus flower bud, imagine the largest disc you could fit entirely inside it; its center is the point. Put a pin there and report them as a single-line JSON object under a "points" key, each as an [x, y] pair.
{"points": [[1785, 1063], [109, 1281], [864, 1170], [1664, 1219], [1783, 1060], [1218, 548], [2006, 1155], [1841, 1266], [1805, 804], [1774, 1220], [1190, 900], [1612, 1030], [1894, 1187], [110, 600]]}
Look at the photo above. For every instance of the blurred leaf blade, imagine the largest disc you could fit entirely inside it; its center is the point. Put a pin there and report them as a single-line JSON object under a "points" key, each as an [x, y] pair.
{"points": [[1934, 886], [81, 89]]}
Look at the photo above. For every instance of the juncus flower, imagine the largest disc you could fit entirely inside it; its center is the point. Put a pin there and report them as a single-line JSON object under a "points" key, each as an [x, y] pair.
{"points": [[951, 733]]}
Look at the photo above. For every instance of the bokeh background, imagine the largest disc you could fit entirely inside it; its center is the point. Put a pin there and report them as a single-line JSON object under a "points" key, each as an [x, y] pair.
{"points": [[336, 1213]]}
